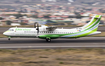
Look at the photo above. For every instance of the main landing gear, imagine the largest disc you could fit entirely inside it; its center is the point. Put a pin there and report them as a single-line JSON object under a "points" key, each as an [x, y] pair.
{"points": [[48, 39]]}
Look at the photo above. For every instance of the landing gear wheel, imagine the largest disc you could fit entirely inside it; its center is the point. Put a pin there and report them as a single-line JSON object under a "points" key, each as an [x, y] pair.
{"points": [[48, 40], [8, 38]]}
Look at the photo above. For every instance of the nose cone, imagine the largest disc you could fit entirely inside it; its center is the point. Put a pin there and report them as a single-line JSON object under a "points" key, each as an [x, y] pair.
{"points": [[4, 33]]}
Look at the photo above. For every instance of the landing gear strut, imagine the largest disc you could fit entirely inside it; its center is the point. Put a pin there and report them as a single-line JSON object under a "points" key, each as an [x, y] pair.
{"points": [[48, 39]]}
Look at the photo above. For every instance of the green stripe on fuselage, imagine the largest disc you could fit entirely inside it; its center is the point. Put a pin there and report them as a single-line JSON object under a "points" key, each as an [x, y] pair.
{"points": [[85, 34]]}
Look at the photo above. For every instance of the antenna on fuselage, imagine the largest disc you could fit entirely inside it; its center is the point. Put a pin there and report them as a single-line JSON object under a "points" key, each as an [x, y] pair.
{"points": [[16, 28]]}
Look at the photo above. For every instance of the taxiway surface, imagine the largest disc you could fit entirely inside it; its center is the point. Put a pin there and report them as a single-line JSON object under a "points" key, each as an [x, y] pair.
{"points": [[56, 43]]}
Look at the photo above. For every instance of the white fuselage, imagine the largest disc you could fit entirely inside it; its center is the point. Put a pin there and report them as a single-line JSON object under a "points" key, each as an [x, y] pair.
{"points": [[32, 32]]}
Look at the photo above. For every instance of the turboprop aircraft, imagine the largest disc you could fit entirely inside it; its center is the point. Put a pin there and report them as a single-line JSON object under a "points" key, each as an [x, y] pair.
{"points": [[48, 33]]}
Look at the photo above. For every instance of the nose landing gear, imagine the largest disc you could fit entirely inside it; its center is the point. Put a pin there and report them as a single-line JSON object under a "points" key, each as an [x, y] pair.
{"points": [[9, 38]]}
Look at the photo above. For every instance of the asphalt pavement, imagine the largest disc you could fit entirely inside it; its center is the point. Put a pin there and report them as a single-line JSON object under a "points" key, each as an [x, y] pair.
{"points": [[55, 43]]}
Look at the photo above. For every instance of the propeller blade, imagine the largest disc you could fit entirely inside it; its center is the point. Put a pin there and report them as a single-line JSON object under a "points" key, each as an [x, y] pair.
{"points": [[36, 25]]}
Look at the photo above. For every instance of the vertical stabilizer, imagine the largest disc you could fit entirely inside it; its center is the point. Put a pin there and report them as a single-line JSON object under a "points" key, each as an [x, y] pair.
{"points": [[93, 24]]}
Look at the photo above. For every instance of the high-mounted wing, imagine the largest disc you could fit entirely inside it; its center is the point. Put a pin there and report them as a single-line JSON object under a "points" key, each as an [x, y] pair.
{"points": [[52, 28]]}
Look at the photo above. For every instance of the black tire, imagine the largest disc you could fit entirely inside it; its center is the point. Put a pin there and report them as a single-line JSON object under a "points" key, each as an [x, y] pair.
{"points": [[48, 40], [8, 38]]}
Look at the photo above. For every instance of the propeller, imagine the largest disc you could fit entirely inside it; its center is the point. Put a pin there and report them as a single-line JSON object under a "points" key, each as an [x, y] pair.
{"points": [[36, 25]]}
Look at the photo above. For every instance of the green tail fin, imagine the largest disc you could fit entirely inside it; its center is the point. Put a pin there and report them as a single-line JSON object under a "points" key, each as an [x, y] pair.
{"points": [[93, 23]]}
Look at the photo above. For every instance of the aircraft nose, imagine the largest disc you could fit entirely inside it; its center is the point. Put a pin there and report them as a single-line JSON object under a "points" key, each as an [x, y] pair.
{"points": [[4, 33]]}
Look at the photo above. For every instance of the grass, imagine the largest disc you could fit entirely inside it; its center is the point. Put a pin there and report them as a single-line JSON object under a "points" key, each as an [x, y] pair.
{"points": [[2, 36], [41, 57], [61, 62]]}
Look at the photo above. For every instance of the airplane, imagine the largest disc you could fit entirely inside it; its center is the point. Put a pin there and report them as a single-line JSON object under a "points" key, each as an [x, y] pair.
{"points": [[52, 32]]}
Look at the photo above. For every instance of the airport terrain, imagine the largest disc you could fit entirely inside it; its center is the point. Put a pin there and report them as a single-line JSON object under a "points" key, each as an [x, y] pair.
{"points": [[53, 57]]}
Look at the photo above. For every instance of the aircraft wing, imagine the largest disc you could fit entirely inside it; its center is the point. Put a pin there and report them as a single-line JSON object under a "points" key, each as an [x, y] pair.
{"points": [[51, 28]]}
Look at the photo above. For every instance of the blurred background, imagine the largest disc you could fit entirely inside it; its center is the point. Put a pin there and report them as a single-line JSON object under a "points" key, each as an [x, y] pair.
{"points": [[60, 13], [50, 12]]}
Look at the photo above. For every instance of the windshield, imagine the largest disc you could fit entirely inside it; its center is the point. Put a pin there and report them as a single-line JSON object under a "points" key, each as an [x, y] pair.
{"points": [[11, 29]]}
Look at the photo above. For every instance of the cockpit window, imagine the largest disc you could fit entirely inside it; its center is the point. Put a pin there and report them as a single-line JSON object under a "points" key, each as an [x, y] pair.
{"points": [[11, 29]]}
